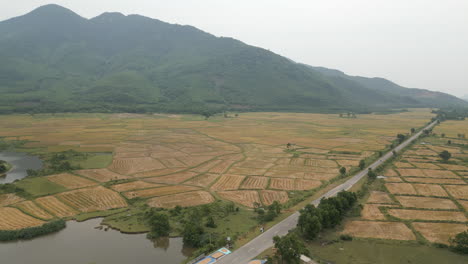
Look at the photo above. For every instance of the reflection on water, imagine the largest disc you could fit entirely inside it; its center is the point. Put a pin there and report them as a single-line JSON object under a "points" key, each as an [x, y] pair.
{"points": [[80, 243], [21, 163]]}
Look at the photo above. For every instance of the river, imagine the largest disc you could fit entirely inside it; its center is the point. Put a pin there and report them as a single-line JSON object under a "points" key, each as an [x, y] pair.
{"points": [[21, 162]]}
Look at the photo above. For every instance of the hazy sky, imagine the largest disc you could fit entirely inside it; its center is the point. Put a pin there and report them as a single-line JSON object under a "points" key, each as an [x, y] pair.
{"points": [[416, 43]]}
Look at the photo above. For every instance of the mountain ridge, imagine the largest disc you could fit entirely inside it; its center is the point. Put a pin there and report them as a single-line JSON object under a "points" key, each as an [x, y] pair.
{"points": [[56, 60]]}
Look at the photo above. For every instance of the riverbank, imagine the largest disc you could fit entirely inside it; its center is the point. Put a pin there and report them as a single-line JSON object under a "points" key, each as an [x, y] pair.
{"points": [[5, 167]]}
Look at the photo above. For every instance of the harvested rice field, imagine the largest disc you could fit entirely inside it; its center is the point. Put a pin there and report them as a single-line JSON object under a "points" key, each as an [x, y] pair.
{"points": [[428, 215], [70, 181], [33, 209], [182, 199], [426, 202], [13, 219], [439, 232], [93, 199], [381, 230]]}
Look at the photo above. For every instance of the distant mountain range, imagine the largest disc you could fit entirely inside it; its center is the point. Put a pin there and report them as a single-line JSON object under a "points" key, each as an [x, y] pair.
{"points": [[54, 60]]}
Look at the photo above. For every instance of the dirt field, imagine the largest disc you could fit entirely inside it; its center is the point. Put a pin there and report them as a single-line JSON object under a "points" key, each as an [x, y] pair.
{"points": [[439, 232], [430, 190], [182, 199], [458, 191], [382, 230], [12, 219], [31, 208], [93, 199], [56, 207], [426, 202], [428, 215], [246, 198], [70, 181]]}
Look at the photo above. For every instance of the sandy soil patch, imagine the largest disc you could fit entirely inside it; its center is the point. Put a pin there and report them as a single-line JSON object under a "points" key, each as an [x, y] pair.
{"points": [[382, 230], [439, 232], [426, 202], [182, 199], [13, 219]]}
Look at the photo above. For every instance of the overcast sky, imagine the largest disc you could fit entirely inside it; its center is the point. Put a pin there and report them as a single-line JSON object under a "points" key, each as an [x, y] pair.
{"points": [[415, 43]]}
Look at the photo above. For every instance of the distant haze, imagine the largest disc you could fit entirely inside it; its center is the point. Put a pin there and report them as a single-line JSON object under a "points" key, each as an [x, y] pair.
{"points": [[417, 43]]}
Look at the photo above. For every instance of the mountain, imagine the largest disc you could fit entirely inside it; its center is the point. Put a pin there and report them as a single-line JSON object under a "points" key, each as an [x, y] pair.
{"points": [[54, 60], [465, 97]]}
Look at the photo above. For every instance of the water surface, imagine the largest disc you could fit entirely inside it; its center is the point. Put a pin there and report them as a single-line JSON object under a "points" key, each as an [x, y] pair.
{"points": [[21, 163]]}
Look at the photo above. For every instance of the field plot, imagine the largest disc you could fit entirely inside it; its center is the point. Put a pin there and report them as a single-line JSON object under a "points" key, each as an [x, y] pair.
{"points": [[372, 211], [439, 232], [382, 230], [255, 182], [400, 188], [433, 180], [268, 196], [246, 198], [159, 191], [380, 198], [454, 167], [203, 180], [407, 214], [13, 219], [425, 165], [393, 179], [411, 172], [70, 181], [228, 182], [426, 202], [93, 199], [130, 166], [56, 207], [458, 191], [439, 174], [31, 208], [246, 171], [173, 178], [182, 199], [9, 198], [430, 190], [135, 185], [403, 165], [391, 173], [101, 175]]}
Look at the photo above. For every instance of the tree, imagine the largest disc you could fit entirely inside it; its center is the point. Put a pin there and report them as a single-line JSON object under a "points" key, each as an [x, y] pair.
{"points": [[394, 152], [445, 155], [401, 138], [413, 130], [289, 248], [449, 142], [159, 224], [442, 135], [193, 234], [311, 227], [210, 222], [372, 175], [460, 242], [342, 170], [288, 145], [362, 164]]}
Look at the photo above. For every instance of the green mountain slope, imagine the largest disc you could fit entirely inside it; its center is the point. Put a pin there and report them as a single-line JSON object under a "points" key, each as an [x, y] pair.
{"points": [[55, 60]]}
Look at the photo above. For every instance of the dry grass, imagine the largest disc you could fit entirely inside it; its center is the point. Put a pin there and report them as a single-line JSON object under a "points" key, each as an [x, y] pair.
{"points": [[130, 166], [56, 207], [439, 174], [13, 219], [182, 199], [426, 202], [435, 181], [403, 165], [411, 172], [393, 179], [400, 188], [454, 167], [372, 211], [246, 171], [93, 199], [203, 180], [70, 181], [246, 198], [390, 173], [406, 214], [382, 230], [425, 165], [173, 178], [458, 191], [31, 208], [439, 232]]}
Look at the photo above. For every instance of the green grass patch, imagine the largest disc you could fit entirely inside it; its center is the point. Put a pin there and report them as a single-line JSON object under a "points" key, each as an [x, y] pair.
{"points": [[94, 161], [130, 221], [235, 224], [362, 251], [87, 216], [39, 186]]}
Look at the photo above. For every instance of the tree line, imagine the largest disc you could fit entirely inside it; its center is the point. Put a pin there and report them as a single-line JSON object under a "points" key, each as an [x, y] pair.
{"points": [[31, 232]]}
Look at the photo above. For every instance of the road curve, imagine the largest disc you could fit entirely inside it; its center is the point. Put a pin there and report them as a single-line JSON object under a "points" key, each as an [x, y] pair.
{"points": [[264, 241]]}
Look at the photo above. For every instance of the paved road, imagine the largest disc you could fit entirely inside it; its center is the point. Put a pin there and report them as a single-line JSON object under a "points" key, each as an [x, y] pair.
{"points": [[264, 241]]}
